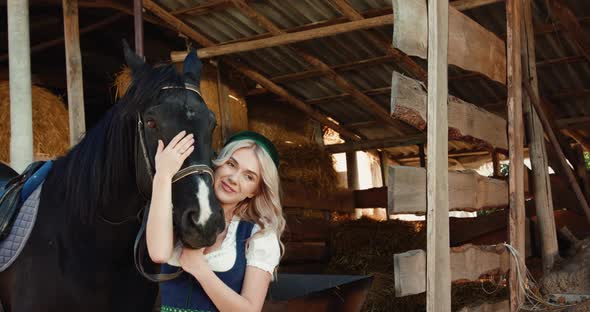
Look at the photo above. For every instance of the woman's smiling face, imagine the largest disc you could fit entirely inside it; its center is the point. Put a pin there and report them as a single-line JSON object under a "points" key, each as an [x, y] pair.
{"points": [[238, 178]]}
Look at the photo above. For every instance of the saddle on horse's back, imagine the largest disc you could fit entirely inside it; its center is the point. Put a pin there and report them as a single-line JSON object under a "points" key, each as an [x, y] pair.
{"points": [[13, 192]]}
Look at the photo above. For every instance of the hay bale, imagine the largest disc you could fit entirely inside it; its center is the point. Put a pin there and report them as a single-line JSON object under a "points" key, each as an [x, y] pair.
{"points": [[308, 165], [303, 161], [367, 247], [50, 124]]}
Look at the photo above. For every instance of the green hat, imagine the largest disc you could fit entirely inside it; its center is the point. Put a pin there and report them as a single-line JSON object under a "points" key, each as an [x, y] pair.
{"points": [[259, 139]]}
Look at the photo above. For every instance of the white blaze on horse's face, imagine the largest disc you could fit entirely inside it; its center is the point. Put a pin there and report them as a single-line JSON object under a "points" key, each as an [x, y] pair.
{"points": [[204, 205]]}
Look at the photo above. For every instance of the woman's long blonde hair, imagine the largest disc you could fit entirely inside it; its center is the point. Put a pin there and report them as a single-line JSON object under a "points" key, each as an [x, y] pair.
{"points": [[265, 207]]}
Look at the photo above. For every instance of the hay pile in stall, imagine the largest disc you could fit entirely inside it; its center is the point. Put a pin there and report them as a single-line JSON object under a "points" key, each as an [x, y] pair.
{"points": [[51, 134], [303, 160], [367, 247]]}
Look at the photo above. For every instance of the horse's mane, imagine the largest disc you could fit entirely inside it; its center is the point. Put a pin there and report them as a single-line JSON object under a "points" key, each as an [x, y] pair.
{"points": [[99, 170]]}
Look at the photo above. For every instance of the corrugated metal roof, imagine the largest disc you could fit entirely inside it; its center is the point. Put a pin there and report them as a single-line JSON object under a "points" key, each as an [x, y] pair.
{"points": [[562, 83]]}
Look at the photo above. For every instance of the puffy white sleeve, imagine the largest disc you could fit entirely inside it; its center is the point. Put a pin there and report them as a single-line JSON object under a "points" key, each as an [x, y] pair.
{"points": [[175, 258], [264, 251]]}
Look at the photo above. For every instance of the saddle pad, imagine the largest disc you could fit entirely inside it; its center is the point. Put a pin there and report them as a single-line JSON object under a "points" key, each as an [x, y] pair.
{"points": [[14, 243]]}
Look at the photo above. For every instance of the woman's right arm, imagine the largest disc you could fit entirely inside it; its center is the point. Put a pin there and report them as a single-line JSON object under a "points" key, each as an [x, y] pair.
{"points": [[159, 231], [159, 234]]}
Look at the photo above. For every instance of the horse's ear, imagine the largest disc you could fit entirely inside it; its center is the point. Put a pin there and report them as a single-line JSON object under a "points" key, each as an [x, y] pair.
{"points": [[193, 68], [133, 60]]}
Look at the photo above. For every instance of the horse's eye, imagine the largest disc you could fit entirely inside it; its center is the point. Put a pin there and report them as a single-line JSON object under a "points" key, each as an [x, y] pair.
{"points": [[151, 123]]}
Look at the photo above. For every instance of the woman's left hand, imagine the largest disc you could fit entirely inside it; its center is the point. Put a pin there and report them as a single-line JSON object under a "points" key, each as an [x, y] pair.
{"points": [[193, 261]]}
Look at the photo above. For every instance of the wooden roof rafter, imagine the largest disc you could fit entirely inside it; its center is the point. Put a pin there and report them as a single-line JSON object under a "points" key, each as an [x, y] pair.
{"points": [[346, 86], [257, 77], [400, 58], [562, 13]]}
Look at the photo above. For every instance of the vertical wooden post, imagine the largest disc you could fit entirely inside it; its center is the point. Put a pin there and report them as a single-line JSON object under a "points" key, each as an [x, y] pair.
{"points": [[383, 159], [422, 155], [438, 265], [352, 176], [495, 163], [138, 26], [74, 71], [19, 64], [223, 96], [516, 220], [537, 151]]}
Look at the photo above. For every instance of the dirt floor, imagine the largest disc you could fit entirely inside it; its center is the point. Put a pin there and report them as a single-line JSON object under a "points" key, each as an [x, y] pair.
{"points": [[572, 275]]}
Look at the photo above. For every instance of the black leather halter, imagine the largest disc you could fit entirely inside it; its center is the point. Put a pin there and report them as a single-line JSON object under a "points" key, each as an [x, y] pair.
{"points": [[144, 180]]}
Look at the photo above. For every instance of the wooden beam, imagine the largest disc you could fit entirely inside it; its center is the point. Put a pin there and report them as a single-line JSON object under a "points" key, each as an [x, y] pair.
{"points": [[466, 121], [468, 263], [474, 47], [74, 71], [19, 66], [553, 27], [517, 216], [257, 77], [138, 26], [346, 86], [537, 152], [389, 59], [438, 261], [468, 191], [400, 58], [580, 139], [560, 60], [338, 68], [464, 5], [208, 7], [284, 39], [352, 177], [572, 122], [562, 159], [560, 12], [359, 96], [422, 155], [54, 42], [375, 144], [332, 98], [297, 195], [495, 163]]}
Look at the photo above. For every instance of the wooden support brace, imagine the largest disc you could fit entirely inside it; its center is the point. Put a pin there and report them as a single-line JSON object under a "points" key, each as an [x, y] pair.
{"points": [[561, 157]]}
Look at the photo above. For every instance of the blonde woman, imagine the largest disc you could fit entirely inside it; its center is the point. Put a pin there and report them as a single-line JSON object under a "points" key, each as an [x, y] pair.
{"points": [[235, 272]]}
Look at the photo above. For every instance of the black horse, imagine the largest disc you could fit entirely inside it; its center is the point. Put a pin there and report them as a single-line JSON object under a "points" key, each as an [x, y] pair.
{"points": [[79, 256]]}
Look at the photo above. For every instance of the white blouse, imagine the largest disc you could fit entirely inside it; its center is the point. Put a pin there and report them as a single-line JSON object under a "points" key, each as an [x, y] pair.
{"points": [[263, 251]]}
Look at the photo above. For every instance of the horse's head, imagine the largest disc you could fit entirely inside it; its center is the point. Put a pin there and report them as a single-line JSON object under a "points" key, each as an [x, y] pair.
{"points": [[175, 106]]}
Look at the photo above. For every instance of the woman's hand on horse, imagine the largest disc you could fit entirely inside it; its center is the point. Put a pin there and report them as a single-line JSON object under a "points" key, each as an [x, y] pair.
{"points": [[193, 261], [169, 159]]}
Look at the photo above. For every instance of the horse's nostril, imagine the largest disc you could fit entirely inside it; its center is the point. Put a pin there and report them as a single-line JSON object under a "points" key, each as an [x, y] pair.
{"points": [[190, 219]]}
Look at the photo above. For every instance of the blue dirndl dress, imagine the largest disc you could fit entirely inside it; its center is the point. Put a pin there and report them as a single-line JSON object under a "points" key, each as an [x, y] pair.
{"points": [[185, 294]]}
